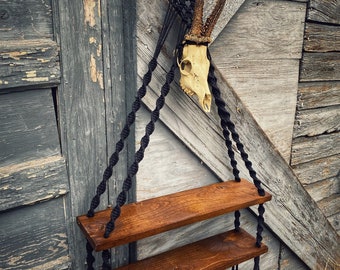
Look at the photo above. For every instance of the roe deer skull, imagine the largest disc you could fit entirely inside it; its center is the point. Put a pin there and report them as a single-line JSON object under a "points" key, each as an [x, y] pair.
{"points": [[194, 64], [194, 68]]}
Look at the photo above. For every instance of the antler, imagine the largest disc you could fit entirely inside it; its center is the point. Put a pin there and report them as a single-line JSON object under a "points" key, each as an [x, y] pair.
{"points": [[212, 20], [199, 33]]}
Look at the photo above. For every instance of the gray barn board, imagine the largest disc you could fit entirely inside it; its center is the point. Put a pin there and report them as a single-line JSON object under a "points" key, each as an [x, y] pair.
{"points": [[264, 41], [315, 145]]}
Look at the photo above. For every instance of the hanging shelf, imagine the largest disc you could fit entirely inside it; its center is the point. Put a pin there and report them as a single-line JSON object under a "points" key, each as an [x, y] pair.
{"points": [[157, 215], [128, 223]]}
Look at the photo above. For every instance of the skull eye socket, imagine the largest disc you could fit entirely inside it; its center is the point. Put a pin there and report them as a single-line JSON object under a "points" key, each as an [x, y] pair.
{"points": [[186, 67]]}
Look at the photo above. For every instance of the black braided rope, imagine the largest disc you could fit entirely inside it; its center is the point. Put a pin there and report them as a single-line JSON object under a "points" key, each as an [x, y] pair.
{"points": [[185, 9], [89, 258], [113, 160], [257, 263], [227, 123], [106, 256], [139, 155], [260, 224], [235, 267]]}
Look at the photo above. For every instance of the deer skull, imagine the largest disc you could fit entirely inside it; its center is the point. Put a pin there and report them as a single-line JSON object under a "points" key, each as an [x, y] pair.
{"points": [[194, 64], [194, 68]]}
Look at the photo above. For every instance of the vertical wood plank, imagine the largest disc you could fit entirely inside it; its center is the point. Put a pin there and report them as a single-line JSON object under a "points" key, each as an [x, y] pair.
{"points": [[118, 22], [81, 110], [98, 60]]}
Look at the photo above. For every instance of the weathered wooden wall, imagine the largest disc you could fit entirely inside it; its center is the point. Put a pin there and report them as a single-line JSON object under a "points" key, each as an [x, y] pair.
{"points": [[316, 143], [33, 178], [64, 70]]}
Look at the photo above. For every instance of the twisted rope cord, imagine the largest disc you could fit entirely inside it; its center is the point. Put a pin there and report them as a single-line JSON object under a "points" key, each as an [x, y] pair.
{"points": [[106, 256], [139, 155], [257, 263], [113, 160], [227, 123], [89, 258]]}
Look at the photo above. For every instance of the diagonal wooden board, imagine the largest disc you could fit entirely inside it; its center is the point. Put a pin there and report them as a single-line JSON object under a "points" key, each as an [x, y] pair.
{"points": [[292, 215]]}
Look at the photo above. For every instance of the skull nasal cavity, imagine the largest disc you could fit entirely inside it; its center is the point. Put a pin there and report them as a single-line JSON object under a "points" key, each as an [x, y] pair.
{"points": [[186, 66]]}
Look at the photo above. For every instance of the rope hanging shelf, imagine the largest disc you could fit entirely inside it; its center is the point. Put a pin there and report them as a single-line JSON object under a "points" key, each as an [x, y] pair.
{"points": [[127, 223]]}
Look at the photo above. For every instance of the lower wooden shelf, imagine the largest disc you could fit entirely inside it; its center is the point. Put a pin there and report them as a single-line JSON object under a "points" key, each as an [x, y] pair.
{"points": [[214, 253]]}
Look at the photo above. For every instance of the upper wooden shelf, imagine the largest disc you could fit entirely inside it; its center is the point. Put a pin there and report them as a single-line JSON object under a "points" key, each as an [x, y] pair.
{"points": [[157, 215]]}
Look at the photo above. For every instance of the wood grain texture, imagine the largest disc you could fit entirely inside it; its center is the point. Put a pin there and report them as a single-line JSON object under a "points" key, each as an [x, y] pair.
{"points": [[331, 205], [29, 63], [214, 253], [317, 121], [28, 129], [263, 30], [321, 38], [320, 67], [194, 128], [32, 182], [313, 148], [30, 19], [326, 11], [318, 169], [260, 43], [318, 94], [34, 237], [335, 221], [324, 188], [171, 211]]}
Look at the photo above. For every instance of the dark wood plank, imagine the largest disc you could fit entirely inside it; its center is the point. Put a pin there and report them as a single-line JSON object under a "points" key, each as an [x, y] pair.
{"points": [[317, 121], [313, 148], [320, 67], [34, 237], [326, 11], [137, 220], [28, 129], [81, 110], [29, 63], [27, 19], [321, 37], [318, 94], [33, 181], [316, 170], [214, 253]]}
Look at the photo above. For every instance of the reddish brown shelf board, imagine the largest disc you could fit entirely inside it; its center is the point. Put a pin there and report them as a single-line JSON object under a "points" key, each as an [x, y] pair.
{"points": [[153, 216], [214, 253]]}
